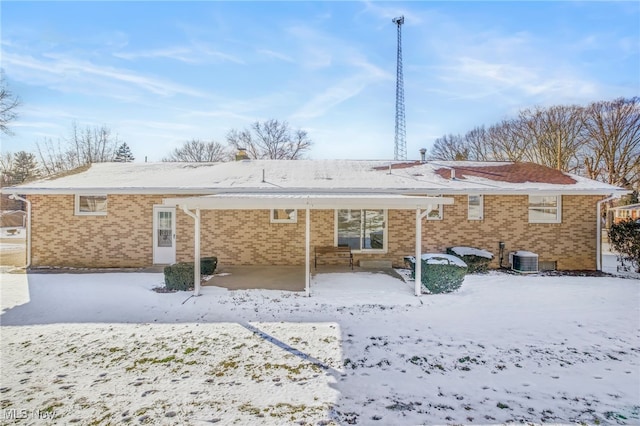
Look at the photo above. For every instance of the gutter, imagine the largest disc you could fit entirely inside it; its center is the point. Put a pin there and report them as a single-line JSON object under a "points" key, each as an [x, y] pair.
{"points": [[599, 230], [17, 197]]}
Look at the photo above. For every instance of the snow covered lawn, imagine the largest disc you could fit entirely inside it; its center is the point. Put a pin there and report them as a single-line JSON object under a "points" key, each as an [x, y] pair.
{"points": [[104, 348]]}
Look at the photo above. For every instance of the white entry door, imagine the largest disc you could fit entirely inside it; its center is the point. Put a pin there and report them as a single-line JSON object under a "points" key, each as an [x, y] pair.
{"points": [[164, 235]]}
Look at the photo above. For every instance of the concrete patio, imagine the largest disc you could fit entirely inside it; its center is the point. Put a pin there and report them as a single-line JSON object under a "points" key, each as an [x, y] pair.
{"points": [[288, 278]]}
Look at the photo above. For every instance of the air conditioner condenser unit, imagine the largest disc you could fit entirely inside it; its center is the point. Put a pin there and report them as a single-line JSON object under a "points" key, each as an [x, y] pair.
{"points": [[524, 262]]}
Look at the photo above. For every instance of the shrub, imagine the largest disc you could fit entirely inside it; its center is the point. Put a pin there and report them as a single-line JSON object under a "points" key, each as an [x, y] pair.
{"points": [[477, 260], [179, 276], [208, 265], [441, 273], [625, 239]]}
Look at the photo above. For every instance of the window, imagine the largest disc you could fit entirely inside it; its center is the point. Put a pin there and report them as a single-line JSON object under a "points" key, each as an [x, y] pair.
{"points": [[435, 212], [545, 208], [362, 230], [91, 205], [284, 216], [476, 207]]}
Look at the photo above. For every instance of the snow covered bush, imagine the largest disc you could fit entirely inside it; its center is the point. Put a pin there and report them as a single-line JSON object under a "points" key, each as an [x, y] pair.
{"points": [[179, 276], [476, 259], [441, 273], [625, 239]]}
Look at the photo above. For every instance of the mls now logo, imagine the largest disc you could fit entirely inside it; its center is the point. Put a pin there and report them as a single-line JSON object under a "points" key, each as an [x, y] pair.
{"points": [[15, 414]]}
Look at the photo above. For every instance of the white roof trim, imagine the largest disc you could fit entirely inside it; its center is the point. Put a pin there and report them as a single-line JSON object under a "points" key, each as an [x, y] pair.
{"points": [[202, 191], [305, 201], [627, 207]]}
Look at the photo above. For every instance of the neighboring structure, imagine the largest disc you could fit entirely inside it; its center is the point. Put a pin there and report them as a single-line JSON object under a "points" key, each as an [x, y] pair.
{"points": [[270, 212], [622, 213]]}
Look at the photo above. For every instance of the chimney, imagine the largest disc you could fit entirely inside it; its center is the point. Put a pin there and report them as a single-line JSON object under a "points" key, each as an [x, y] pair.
{"points": [[242, 154], [423, 154]]}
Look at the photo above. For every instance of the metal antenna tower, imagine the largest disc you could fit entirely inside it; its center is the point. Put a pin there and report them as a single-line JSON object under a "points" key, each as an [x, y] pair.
{"points": [[400, 150]]}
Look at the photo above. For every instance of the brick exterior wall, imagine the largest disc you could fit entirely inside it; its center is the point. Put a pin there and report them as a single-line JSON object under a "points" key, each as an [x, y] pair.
{"points": [[123, 238], [572, 243]]}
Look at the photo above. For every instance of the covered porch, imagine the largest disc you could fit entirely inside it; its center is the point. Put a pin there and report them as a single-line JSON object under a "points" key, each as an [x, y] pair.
{"points": [[286, 278], [303, 202]]}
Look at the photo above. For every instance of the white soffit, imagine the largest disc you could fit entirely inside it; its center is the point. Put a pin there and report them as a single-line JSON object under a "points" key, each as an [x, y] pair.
{"points": [[305, 201]]}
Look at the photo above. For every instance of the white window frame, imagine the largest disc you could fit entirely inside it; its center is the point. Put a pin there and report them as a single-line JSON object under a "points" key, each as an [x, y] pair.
{"points": [[385, 232], [440, 213], [290, 220], [78, 212], [481, 205], [558, 218]]}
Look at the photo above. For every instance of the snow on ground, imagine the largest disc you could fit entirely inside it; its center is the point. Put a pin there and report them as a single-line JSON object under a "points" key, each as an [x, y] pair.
{"points": [[104, 348]]}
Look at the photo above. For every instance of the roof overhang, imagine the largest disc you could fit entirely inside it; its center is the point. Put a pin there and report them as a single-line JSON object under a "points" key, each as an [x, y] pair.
{"points": [[262, 201], [27, 190], [627, 207]]}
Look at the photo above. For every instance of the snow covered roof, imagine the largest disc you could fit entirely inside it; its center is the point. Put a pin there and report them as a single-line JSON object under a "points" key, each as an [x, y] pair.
{"points": [[300, 176]]}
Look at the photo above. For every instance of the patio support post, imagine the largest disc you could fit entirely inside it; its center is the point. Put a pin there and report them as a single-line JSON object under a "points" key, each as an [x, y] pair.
{"points": [[196, 249], [196, 262], [307, 267], [418, 264], [599, 230]]}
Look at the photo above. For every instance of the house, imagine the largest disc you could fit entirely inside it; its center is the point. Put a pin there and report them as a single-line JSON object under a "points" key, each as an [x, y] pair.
{"points": [[622, 213], [273, 212]]}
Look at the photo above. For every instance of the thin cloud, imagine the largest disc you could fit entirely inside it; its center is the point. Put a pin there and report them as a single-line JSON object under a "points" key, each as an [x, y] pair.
{"points": [[177, 53], [157, 125], [56, 70], [344, 90], [221, 114], [490, 77], [189, 55], [276, 55]]}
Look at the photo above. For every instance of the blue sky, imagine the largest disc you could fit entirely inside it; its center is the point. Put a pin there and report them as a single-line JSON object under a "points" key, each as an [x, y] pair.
{"points": [[161, 73]]}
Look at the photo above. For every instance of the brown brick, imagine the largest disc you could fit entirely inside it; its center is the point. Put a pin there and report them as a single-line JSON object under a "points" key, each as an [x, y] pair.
{"points": [[123, 238]]}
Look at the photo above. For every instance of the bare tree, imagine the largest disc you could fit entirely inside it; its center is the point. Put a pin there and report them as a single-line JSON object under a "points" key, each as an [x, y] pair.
{"points": [[504, 142], [6, 164], [551, 136], [85, 146], [55, 158], [94, 145], [199, 151], [450, 148], [8, 104], [612, 135], [477, 142], [271, 139]]}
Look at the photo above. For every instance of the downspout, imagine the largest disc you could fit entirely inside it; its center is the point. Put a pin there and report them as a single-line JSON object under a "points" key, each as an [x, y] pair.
{"points": [[196, 249], [17, 197], [599, 231]]}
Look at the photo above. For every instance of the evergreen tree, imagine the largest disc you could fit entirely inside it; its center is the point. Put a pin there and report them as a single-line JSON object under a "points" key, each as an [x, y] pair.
{"points": [[24, 168], [123, 154]]}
